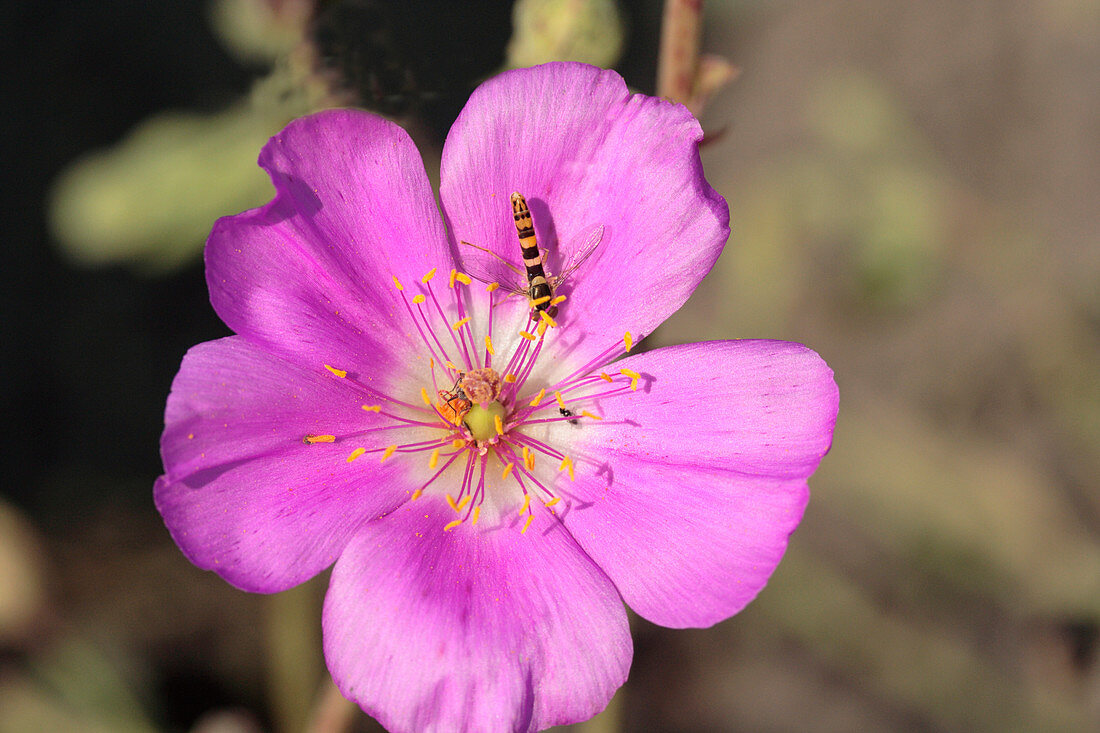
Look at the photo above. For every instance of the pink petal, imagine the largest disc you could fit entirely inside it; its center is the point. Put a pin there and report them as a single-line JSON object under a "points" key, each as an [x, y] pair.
{"points": [[474, 628], [311, 273], [586, 152], [242, 494], [695, 481]]}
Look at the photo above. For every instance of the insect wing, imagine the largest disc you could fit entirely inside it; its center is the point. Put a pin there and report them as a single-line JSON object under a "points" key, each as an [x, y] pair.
{"points": [[591, 241], [492, 268]]}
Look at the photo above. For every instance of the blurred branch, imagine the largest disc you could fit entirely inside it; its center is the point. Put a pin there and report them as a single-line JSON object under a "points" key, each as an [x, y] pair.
{"points": [[683, 75]]}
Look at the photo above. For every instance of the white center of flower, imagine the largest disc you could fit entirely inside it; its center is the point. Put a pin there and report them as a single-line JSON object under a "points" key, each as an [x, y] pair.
{"points": [[488, 433]]}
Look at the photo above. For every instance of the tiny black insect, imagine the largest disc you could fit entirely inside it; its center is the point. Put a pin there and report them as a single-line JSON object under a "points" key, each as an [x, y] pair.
{"points": [[567, 413]]}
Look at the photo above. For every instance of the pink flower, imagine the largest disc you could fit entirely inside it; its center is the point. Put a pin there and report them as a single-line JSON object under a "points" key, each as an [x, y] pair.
{"points": [[487, 526]]}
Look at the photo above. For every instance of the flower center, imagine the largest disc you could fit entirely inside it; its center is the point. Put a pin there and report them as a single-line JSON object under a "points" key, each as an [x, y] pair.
{"points": [[495, 433]]}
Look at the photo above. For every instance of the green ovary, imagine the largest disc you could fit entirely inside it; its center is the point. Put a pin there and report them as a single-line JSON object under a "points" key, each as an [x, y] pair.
{"points": [[482, 420]]}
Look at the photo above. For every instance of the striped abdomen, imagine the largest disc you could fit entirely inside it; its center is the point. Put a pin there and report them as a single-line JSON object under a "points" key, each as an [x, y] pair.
{"points": [[538, 288]]}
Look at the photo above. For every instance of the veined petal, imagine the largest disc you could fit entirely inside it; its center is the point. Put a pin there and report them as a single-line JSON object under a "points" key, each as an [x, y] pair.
{"points": [[585, 152], [472, 629], [311, 274], [694, 482], [242, 494]]}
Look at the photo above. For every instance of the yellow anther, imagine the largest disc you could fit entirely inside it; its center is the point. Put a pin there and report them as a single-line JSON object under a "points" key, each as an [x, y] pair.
{"points": [[424, 396], [460, 324], [463, 278], [398, 283], [476, 514], [629, 373], [553, 501], [507, 471], [567, 463], [538, 398], [433, 459], [510, 378], [388, 452], [338, 372], [428, 278], [451, 281], [547, 319], [526, 504], [529, 461], [499, 424], [452, 502], [417, 494], [604, 377], [530, 518], [629, 341], [557, 300], [450, 365], [526, 454], [458, 443], [541, 329], [452, 525], [561, 402], [489, 346], [491, 287], [526, 335], [586, 413], [540, 301], [319, 439], [418, 299], [465, 500], [356, 453], [373, 408], [634, 385]]}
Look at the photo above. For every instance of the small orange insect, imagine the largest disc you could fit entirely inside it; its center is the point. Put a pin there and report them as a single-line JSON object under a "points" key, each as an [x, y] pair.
{"points": [[454, 405]]}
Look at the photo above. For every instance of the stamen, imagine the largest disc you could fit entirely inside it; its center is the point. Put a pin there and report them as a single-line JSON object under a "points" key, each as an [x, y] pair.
{"points": [[428, 277], [424, 396], [507, 470], [605, 377], [459, 324], [540, 301], [463, 278], [586, 413], [489, 346], [538, 398], [338, 372], [451, 281], [629, 373], [567, 463], [388, 452], [433, 459], [559, 299], [452, 502], [547, 319], [397, 283], [561, 402], [629, 341], [525, 334], [476, 514], [419, 298], [499, 424], [553, 501], [541, 328], [458, 443], [491, 287], [373, 408], [526, 504], [451, 366], [311, 439], [452, 525], [530, 518], [356, 453], [417, 494], [510, 378]]}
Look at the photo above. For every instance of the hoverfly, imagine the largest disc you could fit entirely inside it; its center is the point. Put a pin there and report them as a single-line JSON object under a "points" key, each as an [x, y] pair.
{"points": [[539, 288]]}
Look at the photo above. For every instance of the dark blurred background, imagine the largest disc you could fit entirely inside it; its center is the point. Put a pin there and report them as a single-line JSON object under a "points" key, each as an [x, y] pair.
{"points": [[914, 194]]}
